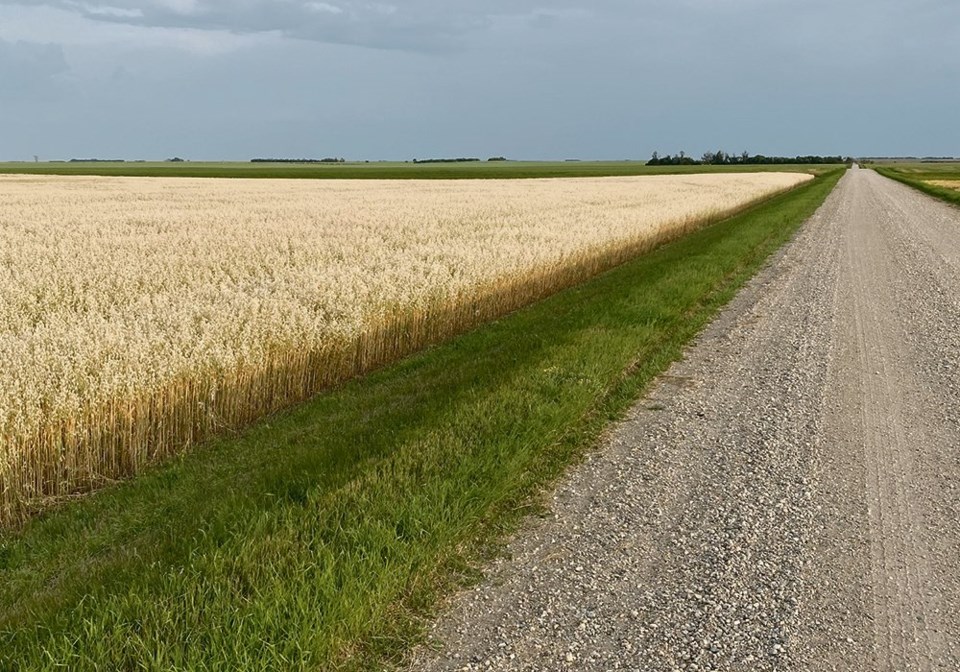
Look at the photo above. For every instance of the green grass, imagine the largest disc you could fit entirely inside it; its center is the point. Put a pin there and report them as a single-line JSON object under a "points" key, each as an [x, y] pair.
{"points": [[917, 175], [320, 538], [383, 170]]}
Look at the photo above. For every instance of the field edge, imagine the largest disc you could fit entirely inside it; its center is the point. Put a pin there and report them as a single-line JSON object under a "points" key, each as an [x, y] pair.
{"points": [[87, 596], [951, 196]]}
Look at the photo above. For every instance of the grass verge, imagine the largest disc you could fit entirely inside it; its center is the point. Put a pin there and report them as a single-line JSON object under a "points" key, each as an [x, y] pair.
{"points": [[319, 538], [919, 178]]}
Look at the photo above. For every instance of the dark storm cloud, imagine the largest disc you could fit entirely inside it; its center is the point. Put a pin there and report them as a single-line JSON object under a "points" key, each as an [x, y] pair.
{"points": [[234, 79]]}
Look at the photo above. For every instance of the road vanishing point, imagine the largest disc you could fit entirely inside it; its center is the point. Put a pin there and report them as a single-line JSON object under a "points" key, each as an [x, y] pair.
{"points": [[787, 497]]}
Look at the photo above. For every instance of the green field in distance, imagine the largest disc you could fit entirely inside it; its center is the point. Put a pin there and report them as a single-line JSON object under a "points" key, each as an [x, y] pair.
{"points": [[386, 170]]}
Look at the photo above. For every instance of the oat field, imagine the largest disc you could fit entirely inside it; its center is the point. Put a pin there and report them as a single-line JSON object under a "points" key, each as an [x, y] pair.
{"points": [[139, 316]]}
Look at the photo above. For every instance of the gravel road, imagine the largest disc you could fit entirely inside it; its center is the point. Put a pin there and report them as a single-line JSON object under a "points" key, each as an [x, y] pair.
{"points": [[785, 498]]}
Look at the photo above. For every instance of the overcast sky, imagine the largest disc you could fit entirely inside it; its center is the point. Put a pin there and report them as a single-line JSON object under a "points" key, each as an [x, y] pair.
{"points": [[399, 79]]}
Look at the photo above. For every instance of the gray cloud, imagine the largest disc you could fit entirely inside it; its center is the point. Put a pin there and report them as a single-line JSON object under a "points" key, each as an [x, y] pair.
{"points": [[412, 24], [29, 67], [612, 79]]}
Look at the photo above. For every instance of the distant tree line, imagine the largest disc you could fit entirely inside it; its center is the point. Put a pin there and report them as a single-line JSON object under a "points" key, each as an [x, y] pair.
{"points": [[680, 159], [497, 158], [721, 158], [328, 159], [457, 160]]}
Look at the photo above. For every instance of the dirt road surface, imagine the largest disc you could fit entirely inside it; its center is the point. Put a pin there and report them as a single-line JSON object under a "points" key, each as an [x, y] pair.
{"points": [[785, 498]]}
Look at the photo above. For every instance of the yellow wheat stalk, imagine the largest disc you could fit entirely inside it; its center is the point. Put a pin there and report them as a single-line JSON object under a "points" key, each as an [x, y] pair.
{"points": [[139, 316]]}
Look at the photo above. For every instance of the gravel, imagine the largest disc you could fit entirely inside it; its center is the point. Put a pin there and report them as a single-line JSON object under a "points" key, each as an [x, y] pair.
{"points": [[785, 498]]}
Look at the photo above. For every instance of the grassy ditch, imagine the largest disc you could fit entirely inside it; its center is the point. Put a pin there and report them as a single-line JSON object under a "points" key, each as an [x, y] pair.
{"points": [[920, 176], [320, 538]]}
